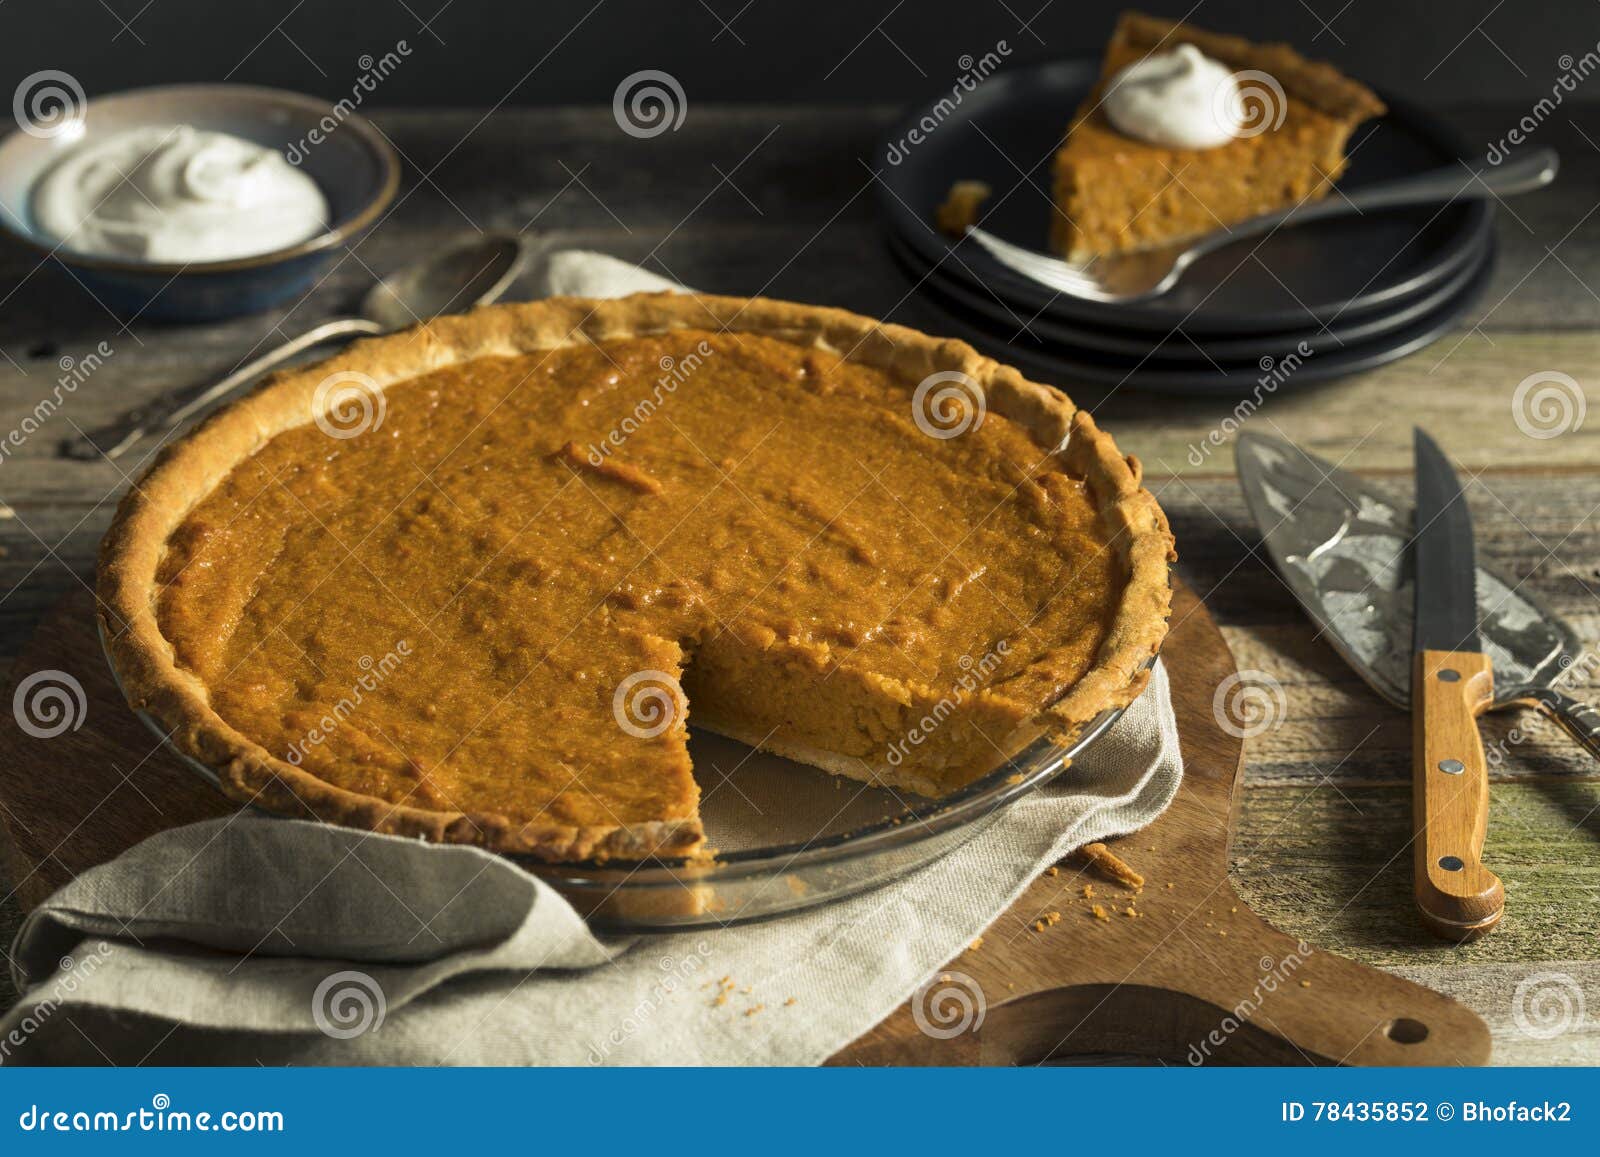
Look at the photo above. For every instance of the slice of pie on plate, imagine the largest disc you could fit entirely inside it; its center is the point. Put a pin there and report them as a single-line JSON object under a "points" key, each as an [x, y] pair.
{"points": [[1114, 192], [470, 582]]}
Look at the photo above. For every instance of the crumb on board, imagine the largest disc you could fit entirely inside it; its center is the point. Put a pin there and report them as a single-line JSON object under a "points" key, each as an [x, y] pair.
{"points": [[1305, 984], [1052, 871], [1046, 921], [1109, 865], [1099, 912], [976, 944], [959, 210], [1088, 891]]}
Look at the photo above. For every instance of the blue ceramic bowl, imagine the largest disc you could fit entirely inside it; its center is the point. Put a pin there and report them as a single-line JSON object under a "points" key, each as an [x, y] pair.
{"points": [[356, 168]]}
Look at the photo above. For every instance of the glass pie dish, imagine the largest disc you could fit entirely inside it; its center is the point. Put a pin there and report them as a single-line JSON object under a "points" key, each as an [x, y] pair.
{"points": [[786, 836]]}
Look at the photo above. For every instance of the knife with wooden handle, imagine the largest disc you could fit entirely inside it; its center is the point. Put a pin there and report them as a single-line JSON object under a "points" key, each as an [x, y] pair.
{"points": [[1452, 684]]}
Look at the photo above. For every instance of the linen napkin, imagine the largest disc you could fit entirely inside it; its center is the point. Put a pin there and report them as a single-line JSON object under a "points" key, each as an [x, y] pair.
{"points": [[254, 940]]}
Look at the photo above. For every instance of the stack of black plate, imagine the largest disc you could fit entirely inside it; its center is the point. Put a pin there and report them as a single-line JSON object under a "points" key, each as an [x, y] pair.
{"points": [[1308, 303]]}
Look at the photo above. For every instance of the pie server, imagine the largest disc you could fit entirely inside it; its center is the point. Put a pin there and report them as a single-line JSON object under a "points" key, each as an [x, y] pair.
{"points": [[1343, 548]]}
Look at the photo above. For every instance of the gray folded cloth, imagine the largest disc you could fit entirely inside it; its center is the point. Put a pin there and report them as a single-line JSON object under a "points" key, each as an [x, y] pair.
{"points": [[253, 940]]}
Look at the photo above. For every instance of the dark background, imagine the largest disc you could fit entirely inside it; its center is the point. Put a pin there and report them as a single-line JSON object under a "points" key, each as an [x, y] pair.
{"points": [[482, 53]]}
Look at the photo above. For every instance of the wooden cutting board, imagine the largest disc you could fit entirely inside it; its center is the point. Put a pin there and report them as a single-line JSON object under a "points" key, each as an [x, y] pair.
{"points": [[1197, 977]]}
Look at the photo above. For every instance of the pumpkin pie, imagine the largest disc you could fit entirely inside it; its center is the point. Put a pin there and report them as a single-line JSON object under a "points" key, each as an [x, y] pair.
{"points": [[471, 582], [1114, 193]]}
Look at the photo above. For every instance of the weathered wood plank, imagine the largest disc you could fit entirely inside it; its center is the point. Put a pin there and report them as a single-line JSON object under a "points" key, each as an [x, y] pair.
{"points": [[1331, 863]]}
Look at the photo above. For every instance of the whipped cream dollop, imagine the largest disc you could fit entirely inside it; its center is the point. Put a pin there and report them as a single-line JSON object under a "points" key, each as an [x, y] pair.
{"points": [[1182, 98], [174, 193]]}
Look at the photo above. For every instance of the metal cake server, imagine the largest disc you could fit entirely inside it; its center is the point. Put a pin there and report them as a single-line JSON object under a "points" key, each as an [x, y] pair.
{"points": [[1340, 545]]}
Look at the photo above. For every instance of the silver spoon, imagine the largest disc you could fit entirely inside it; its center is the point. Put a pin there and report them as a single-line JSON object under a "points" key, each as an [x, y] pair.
{"points": [[1147, 273], [473, 273]]}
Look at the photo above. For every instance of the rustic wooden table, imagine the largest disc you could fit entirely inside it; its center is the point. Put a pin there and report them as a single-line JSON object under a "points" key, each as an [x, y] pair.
{"points": [[779, 201]]}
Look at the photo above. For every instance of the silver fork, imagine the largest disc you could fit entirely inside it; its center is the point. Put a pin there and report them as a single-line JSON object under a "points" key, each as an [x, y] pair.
{"points": [[1148, 273]]}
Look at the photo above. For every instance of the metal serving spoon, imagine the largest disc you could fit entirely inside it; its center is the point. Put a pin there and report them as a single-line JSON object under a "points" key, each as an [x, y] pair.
{"points": [[1147, 273], [472, 273]]}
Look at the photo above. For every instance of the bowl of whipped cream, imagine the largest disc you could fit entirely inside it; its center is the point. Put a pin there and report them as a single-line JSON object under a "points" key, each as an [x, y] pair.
{"points": [[195, 202]]}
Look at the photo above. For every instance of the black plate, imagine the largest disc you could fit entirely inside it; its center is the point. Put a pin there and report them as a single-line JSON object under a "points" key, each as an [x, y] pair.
{"points": [[1054, 364], [964, 298], [1012, 123]]}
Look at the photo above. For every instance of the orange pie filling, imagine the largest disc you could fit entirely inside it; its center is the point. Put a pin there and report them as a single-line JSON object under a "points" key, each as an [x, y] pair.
{"points": [[510, 591]]}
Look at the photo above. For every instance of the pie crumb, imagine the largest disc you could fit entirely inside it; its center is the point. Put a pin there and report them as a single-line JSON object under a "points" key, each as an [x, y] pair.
{"points": [[1305, 984], [1099, 912], [1104, 861], [976, 944], [1052, 870], [751, 1011], [788, 1002], [959, 211]]}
